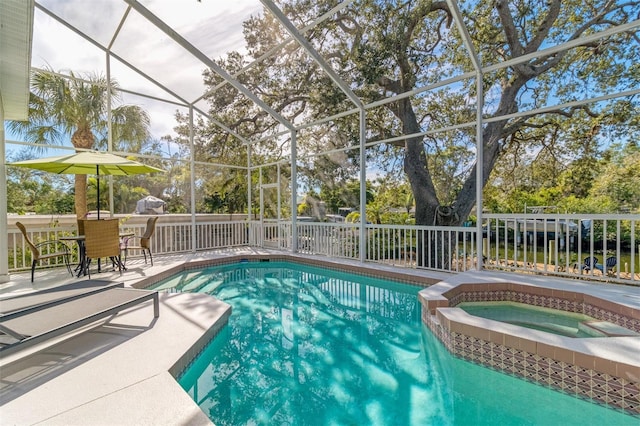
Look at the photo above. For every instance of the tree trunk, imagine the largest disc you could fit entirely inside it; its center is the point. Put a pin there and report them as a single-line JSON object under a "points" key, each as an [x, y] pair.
{"points": [[81, 138], [415, 166], [80, 200], [424, 193], [429, 212], [491, 137]]}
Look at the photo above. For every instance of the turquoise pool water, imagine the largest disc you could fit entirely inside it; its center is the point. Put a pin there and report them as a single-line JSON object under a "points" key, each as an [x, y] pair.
{"points": [[307, 346]]}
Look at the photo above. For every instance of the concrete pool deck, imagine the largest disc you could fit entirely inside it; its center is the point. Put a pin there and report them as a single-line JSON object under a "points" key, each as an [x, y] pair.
{"points": [[119, 372]]}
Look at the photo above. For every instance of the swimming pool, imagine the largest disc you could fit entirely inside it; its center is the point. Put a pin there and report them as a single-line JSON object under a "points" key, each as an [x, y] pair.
{"points": [[312, 346]]}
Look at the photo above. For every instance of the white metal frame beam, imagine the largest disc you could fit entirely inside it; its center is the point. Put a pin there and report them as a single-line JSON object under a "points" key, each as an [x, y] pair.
{"points": [[315, 55], [473, 55], [275, 49]]}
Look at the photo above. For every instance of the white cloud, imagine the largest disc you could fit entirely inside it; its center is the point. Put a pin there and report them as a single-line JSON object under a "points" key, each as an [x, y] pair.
{"points": [[213, 26]]}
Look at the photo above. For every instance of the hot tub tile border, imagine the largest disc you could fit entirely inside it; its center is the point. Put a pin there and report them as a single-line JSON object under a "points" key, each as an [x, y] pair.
{"points": [[594, 309], [588, 384], [585, 376]]}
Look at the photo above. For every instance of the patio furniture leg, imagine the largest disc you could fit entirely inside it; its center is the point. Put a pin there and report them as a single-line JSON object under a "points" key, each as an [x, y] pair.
{"points": [[116, 261]]}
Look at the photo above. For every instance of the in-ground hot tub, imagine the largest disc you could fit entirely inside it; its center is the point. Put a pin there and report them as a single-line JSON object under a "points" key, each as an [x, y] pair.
{"points": [[605, 370], [562, 323]]}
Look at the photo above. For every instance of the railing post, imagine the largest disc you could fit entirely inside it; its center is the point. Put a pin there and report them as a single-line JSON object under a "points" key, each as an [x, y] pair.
{"points": [[363, 188], [192, 181], [294, 192], [4, 242]]}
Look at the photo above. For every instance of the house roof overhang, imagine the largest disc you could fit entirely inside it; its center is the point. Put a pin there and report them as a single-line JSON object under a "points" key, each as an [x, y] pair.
{"points": [[16, 34]]}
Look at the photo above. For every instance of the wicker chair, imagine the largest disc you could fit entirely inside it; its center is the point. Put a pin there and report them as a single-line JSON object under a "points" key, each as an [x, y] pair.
{"points": [[102, 240], [55, 249], [81, 226], [144, 243]]}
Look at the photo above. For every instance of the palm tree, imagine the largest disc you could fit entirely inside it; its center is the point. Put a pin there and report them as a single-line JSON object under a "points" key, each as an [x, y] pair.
{"points": [[76, 108]]}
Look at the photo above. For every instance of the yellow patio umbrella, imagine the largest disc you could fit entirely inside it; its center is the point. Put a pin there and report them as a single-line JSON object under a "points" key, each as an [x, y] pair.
{"points": [[86, 163]]}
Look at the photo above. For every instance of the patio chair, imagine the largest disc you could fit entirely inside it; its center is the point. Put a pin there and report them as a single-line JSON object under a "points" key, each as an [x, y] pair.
{"points": [[55, 249], [609, 264], [81, 226], [590, 263], [144, 241], [102, 240]]}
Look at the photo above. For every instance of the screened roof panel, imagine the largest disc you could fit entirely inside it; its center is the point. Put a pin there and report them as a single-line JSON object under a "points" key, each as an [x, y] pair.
{"points": [[161, 58], [209, 27], [213, 27], [99, 24], [289, 46], [59, 48], [130, 80]]}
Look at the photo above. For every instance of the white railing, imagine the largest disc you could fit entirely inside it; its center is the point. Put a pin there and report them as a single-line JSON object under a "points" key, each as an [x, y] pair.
{"points": [[339, 240], [565, 245], [445, 248], [270, 234], [20, 255], [541, 244], [441, 248], [177, 238], [210, 235], [169, 237]]}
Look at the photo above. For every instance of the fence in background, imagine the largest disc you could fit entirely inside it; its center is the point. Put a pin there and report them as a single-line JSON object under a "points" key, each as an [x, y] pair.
{"points": [[450, 249], [603, 247]]}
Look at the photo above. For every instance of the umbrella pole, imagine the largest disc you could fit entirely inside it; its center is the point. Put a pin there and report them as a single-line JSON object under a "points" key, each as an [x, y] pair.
{"points": [[98, 179], [98, 182]]}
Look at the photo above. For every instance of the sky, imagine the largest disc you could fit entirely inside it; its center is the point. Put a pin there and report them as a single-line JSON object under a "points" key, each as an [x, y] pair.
{"points": [[213, 26]]}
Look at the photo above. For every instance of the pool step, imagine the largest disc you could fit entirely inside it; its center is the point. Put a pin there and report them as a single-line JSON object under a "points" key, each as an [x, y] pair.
{"points": [[608, 329]]}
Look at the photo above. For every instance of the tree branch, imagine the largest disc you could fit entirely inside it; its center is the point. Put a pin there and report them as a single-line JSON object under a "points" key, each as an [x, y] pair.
{"points": [[510, 32], [389, 85], [554, 59], [545, 27]]}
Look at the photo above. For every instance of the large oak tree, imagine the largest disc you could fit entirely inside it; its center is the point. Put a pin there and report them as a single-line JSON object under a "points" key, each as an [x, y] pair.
{"points": [[387, 48]]}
